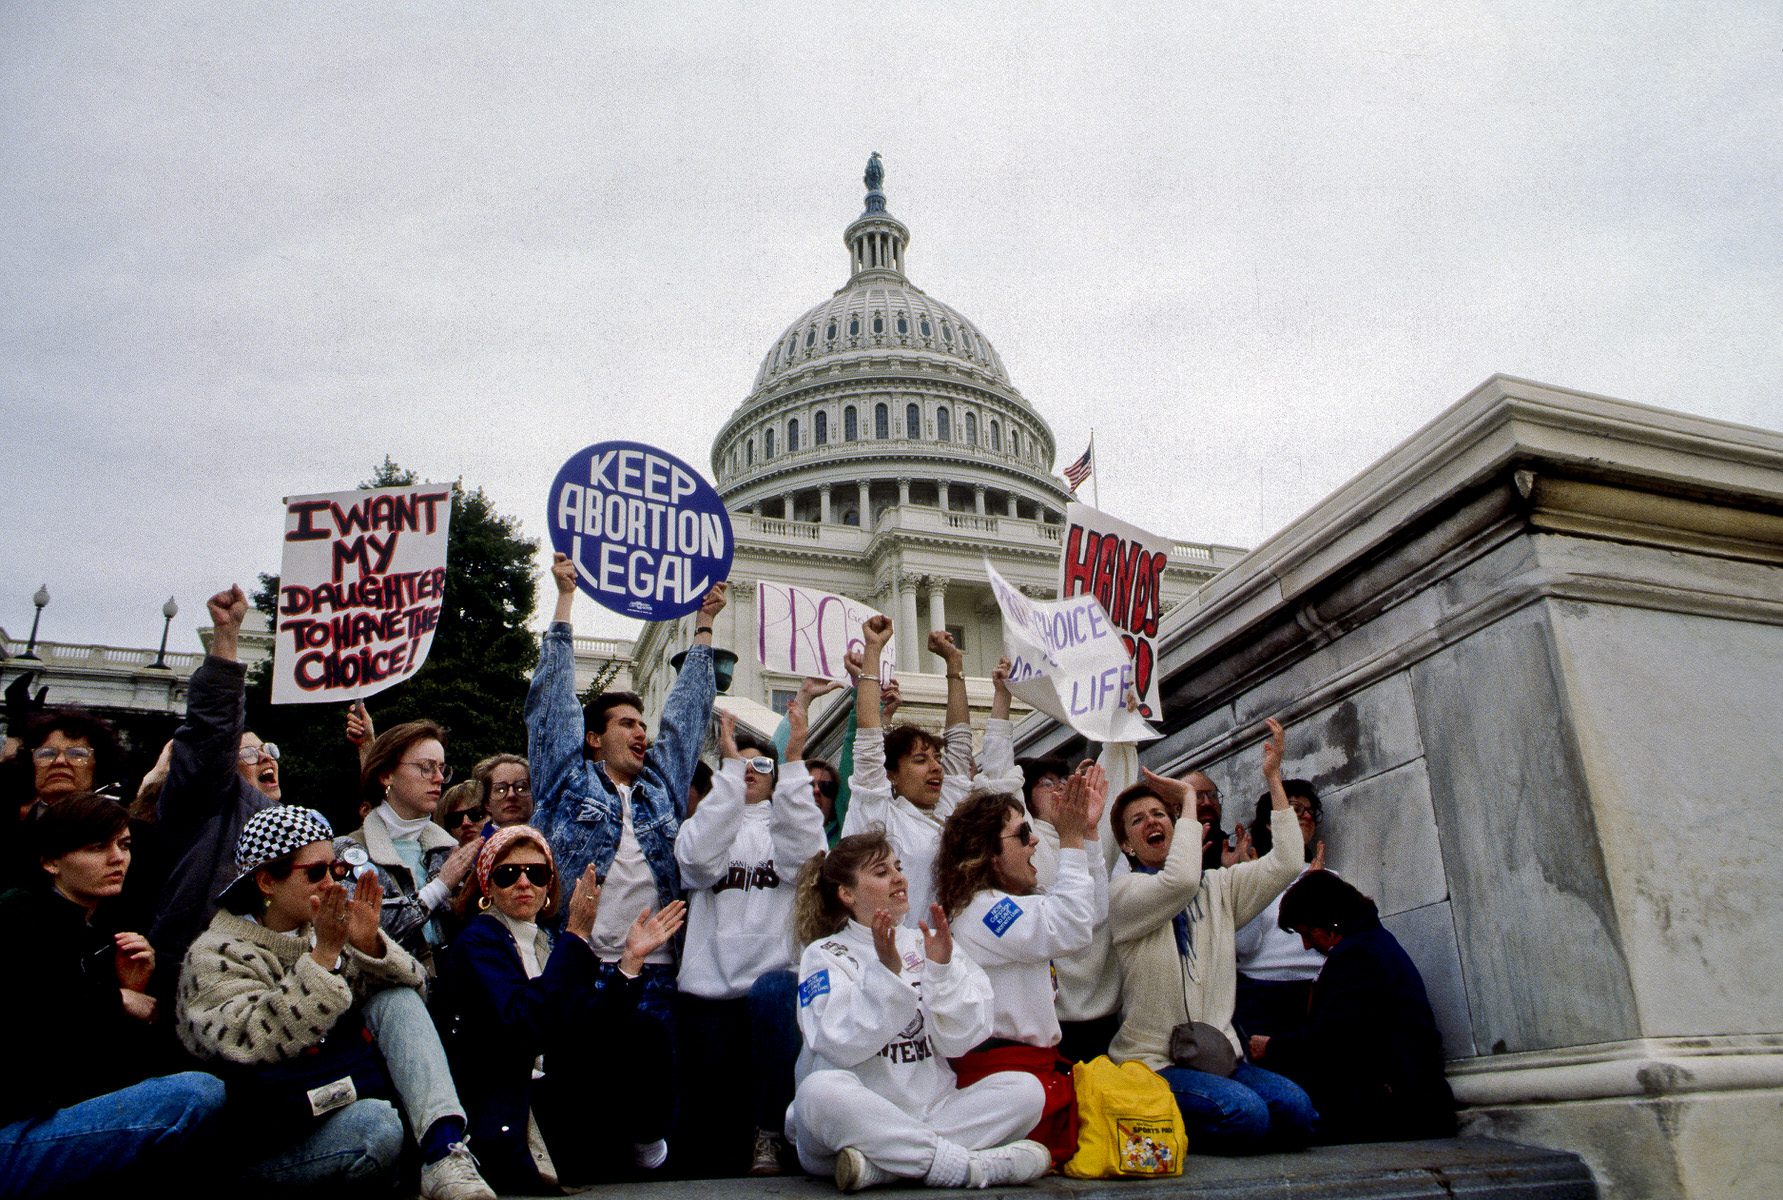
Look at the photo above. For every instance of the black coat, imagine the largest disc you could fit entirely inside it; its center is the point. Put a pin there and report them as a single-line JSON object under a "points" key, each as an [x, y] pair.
{"points": [[497, 1023], [70, 1039], [1369, 1053]]}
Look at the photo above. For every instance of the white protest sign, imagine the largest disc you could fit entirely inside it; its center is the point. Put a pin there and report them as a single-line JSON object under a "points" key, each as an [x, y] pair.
{"points": [[803, 631], [360, 590], [1123, 566], [1067, 660]]}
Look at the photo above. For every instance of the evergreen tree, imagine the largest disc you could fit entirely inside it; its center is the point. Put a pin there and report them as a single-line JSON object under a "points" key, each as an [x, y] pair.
{"points": [[473, 683]]}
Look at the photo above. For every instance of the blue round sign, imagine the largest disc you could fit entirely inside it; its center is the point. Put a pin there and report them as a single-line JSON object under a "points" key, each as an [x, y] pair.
{"points": [[649, 536]]}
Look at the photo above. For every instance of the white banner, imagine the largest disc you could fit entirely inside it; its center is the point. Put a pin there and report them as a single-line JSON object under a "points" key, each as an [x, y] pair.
{"points": [[802, 631], [1123, 567], [360, 591], [1069, 661]]}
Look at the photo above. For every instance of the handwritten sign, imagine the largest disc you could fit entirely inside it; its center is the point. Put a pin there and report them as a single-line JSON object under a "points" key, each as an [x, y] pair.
{"points": [[1123, 567], [649, 536], [1068, 660], [802, 631], [360, 590]]}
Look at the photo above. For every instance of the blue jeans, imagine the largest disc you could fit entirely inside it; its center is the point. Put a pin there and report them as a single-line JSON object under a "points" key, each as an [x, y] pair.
{"points": [[410, 1043], [1253, 1111], [138, 1129], [360, 1143]]}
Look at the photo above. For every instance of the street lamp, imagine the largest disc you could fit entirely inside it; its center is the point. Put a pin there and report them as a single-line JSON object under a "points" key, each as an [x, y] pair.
{"points": [[41, 599], [170, 610]]}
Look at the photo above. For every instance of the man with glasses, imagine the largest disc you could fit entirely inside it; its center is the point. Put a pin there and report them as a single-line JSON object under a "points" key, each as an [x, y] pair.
{"points": [[219, 774]]}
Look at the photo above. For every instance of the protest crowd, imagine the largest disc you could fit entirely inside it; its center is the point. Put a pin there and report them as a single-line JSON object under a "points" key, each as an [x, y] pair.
{"points": [[599, 958]]}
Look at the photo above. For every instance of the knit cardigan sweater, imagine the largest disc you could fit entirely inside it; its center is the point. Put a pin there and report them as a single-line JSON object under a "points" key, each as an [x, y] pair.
{"points": [[249, 995]]}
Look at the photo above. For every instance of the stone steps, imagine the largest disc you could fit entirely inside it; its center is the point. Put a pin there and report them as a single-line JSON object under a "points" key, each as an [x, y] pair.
{"points": [[1477, 1168]]}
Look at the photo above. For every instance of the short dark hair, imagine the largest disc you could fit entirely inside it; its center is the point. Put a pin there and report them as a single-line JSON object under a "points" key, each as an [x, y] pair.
{"points": [[83, 819], [1320, 900], [1130, 796], [1036, 769], [762, 746], [595, 712], [108, 752], [824, 764], [1297, 789], [905, 739]]}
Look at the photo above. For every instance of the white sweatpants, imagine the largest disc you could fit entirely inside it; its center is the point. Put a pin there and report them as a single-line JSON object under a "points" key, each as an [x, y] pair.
{"points": [[834, 1109]]}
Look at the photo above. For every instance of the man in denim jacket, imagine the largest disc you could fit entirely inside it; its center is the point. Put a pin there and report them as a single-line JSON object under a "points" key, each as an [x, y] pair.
{"points": [[604, 795]]}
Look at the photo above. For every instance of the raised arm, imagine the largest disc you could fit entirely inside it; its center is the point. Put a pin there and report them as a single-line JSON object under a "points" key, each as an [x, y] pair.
{"points": [[554, 731], [959, 712], [703, 847], [1139, 902], [687, 709], [1256, 883], [201, 773]]}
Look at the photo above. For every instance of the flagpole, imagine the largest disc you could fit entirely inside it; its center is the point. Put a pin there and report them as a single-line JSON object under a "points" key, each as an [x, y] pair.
{"points": [[1095, 480]]}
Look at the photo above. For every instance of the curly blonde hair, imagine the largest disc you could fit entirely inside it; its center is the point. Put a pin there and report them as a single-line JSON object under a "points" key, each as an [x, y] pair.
{"points": [[817, 908]]}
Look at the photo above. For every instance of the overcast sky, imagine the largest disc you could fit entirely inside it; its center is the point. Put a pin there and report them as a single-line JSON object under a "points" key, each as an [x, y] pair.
{"points": [[247, 250]]}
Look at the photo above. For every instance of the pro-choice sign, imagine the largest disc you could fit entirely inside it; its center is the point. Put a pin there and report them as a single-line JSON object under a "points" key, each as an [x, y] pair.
{"points": [[649, 536]]}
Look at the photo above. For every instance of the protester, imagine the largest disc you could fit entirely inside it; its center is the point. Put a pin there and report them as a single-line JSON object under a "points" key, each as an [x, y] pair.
{"points": [[1173, 925], [531, 1029], [986, 882], [420, 866], [604, 795], [294, 986], [62, 752], [1275, 972], [906, 780], [507, 790], [80, 1109], [736, 982], [461, 813], [1088, 997], [826, 786], [881, 1006], [1369, 1052]]}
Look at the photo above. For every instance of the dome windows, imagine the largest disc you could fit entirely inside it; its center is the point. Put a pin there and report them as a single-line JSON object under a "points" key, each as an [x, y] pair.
{"points": [[851, 427], [810, 337], [943, 428], [912, 422], [1015, 441], [854, 326], [820, 429], [829, 335], [903, 324], [972, 429], [749, 453], [927, 329], [996, 438], [767, 443], [881, 422], [878, 323], [946, 333], [792, 435]]}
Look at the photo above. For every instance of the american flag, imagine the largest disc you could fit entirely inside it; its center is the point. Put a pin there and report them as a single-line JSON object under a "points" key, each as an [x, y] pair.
{"points": [[1079, 471]]}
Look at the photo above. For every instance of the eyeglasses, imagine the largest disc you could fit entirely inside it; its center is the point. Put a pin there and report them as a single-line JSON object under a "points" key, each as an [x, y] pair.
{"points": [[72, 754], [249, 755], [508, 874], [1024, 833], [1208, 794], [429, 768], [510, 789], [1048, 783], [1304, 810], [761, 764], [314, 872], [827, 788], [475, 816]]}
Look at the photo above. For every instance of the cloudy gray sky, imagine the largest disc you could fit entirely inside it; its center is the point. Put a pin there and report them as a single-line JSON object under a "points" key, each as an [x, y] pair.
{"points": [[247, 250]]}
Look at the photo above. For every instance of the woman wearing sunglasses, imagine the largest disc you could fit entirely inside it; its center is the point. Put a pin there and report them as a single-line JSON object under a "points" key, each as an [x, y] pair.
{"points": [[461, 811], [316, 1016], [534, 1029], [986, 881]]}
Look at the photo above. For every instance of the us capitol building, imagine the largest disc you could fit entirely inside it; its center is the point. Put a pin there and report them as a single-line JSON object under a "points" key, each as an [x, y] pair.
{"points": [[882, 454]]}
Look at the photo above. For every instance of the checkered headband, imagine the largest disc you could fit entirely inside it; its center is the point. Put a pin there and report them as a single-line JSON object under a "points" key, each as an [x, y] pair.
{"points": [[499, 843], [272, 833]]}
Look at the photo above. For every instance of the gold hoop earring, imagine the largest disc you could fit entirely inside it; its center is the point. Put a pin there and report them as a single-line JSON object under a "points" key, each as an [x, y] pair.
{"points": [[482, 904]]}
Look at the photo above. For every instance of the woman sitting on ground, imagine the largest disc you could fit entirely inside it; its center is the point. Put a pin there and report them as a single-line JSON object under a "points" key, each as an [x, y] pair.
{"points": [[294, 979], [420, 866], [79, 1110], [1174, 925], [531, 1031], [881, 1007], [986, 881], [1369, 1052]]}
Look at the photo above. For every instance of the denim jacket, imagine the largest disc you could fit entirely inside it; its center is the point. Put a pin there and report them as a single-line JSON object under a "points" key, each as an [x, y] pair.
{"points": [[576, 806]]}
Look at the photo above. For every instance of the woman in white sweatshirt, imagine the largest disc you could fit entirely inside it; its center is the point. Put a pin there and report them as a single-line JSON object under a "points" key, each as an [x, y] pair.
{"points": [[739, 855], [985, 880], [881, 1008]]}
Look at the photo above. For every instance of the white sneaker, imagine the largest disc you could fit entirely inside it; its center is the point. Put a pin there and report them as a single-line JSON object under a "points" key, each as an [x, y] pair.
{"points": [[854, 1172], [650, 1155], [1018, 1162], [454, 1177]]}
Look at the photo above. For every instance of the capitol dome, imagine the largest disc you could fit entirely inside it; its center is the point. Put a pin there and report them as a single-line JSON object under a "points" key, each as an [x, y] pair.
{"points": [[883, 396]]}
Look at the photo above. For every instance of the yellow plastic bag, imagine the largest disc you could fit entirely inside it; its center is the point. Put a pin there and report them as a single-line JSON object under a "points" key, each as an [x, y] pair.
{"points": [[1128, 1124]]}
